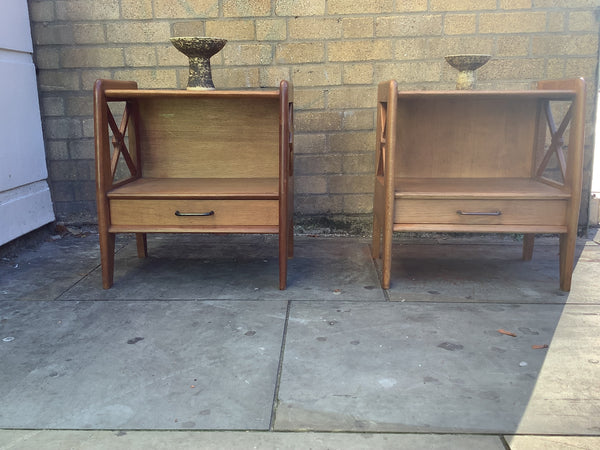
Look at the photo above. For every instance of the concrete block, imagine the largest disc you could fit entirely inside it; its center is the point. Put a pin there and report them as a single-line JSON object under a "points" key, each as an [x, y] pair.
{"points": [[300, 52], [148, 78], [56, 150], [353, 7], [52, 34], [512, 22], [41, 11], [362, 163], [460, 23], [271, 76], [515, 4], [571, 45], [189, 28], [100, 57], [409, 71], [461, 5], [300, 8], [138, 32], [513, 45], [88, 33], [352, 97], [317, 165], [47, 58], [360, 50], [317, 121], [89, 77], [319, 204], [312, 28], [271, 29], [167, 9], [357, 73], [243, 8], [310, 143], [412, 6], [317, 75], [360, 141], [71, 170], [136, 9], [62, 128], [52, 106], [312, 184], [359, 119], [232, 30], [140, 56], [351, 184], [358, 203], [557, 21], [81, 149], [231, 77], [68, 10], [409, 25], [358, 27], [309, 98], [247, 54]]}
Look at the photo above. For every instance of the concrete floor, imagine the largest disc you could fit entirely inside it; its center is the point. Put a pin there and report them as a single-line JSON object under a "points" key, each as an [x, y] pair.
{"points": [[195, 347]]}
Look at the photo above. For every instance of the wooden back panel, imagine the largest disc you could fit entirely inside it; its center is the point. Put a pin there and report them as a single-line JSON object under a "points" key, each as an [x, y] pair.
{"points": [[468, 136], [216, 137]]}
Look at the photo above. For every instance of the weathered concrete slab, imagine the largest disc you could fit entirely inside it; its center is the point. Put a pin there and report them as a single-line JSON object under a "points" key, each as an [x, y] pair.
{"points": [[553, 442], [467, 271], [47, 271], [586, 277], [431, 362], [183, 440], [237, 267], [406, 367], [566, 398], [139, 365]]}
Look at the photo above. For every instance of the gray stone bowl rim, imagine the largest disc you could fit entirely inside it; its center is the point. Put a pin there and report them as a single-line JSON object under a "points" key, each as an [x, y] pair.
{"points": [[471, 61], [218, 43]]}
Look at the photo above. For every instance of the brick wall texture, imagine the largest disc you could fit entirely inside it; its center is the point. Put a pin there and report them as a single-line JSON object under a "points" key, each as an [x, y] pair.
{"points": [[334, 51]]}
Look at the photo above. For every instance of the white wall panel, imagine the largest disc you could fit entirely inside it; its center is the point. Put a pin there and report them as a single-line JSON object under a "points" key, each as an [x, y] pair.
{"points": [[25, 202]]}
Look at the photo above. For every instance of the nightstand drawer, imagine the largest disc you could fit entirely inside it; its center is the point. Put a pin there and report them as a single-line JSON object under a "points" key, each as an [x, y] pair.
{"points": [[134, 212], [481, 212]]}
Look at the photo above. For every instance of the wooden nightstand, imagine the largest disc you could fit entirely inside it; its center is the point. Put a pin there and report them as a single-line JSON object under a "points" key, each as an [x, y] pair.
{"points": [[198, 162], [480, 161]]}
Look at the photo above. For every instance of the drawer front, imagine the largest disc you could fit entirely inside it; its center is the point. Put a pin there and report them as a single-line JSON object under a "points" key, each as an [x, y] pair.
{"points": [[481, 212], [194, 212]]}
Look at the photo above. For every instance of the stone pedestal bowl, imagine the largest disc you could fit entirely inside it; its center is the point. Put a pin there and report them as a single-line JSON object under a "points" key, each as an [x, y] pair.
{"points": [[199, 50], [466, 65]]}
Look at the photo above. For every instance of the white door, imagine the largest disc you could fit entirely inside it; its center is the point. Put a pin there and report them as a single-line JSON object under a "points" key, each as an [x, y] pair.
{"points": [[25, 202]]}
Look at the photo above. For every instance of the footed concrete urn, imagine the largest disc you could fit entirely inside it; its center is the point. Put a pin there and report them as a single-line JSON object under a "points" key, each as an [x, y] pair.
{"points": [[199, 50], [466, 66]]}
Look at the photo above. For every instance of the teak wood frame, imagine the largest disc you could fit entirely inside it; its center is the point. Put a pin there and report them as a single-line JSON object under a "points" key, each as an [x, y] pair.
{"points": [[198, 162], [476, 161]]}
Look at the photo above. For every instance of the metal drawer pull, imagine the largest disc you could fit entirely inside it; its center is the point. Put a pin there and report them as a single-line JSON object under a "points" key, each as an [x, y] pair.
{"points": [[204, 214], [466, 213]]}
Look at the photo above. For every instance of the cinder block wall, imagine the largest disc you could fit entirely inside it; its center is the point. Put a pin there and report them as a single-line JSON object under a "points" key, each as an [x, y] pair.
{"points": [[334, 51]]}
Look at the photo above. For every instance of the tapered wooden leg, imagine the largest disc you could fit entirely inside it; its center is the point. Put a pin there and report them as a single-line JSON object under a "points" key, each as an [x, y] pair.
{"points": [[387, 258], [567, 259], [142, 245], [376, 244], [283, 257], [107, 258], [528, 240]]}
